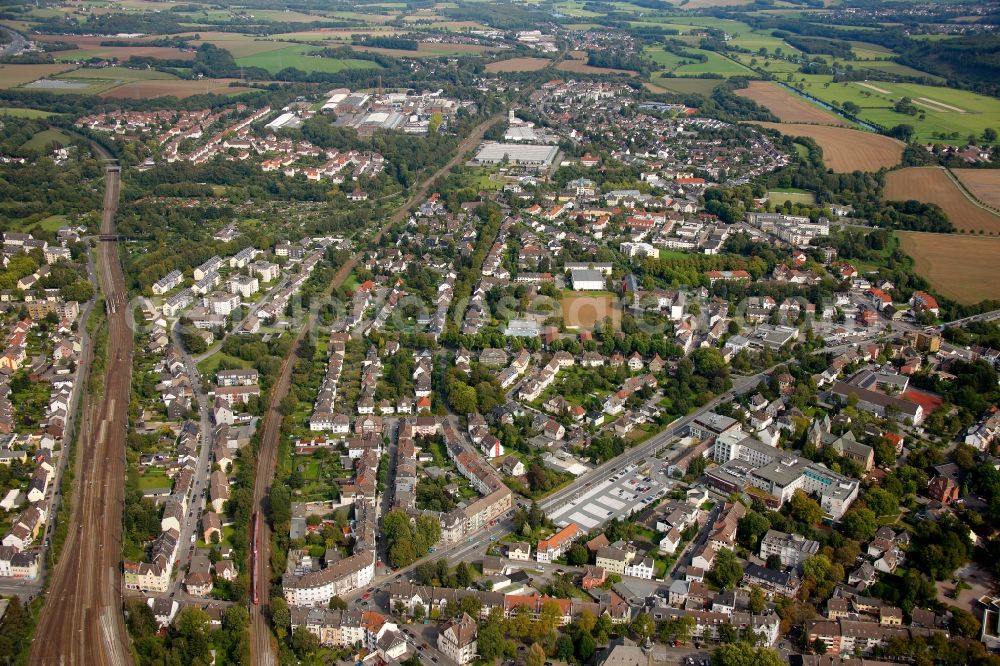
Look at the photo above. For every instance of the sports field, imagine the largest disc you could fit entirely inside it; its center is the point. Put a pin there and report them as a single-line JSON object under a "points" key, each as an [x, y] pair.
{"points": [[933, 185], [788, 106], [584, 310], [963, 268], [846, 150], [983, 183]]}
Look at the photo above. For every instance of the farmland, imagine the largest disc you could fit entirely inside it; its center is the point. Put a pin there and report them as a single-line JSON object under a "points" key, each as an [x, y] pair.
{"points": [[984, 184], [789, 107], [933, 185], [682, 66], [687, 85], [301, 58], [846, 150], [518, 65], [12, 76], [943, 114], [581, 67], [175, 88], [963, 268], [43, 139]]}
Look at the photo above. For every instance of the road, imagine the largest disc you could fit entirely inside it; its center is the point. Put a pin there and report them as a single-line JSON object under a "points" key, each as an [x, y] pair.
{"points": [[261, 645], [473, 548], [82, 620], [17, 43]]}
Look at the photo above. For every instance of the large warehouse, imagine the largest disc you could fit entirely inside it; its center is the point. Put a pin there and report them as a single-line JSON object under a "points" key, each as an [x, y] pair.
{"points": [[527, 155]]}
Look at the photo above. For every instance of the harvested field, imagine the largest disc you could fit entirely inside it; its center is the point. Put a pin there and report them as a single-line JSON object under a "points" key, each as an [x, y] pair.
{"points": [[176, 88], [846, 150], [932, 185], [684, 85], [12, 76], [518, 65], [963, 268], [983, 183], [581, 67], [789, 107], [584, 311], [427, 50]]}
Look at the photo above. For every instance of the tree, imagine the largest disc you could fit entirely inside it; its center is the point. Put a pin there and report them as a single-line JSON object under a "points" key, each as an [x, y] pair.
{"points": [[565, 647], [585, 647], [751, 528], [860, 524], [490, 642], [304, 642], [964, 623], [805, 509], [744, 654], [757, 600], [727, 633], [726, 570], [280, 502], [463, 576], [281, 617], [643, 626], [535, 656], [577, 555], [337, 603]]}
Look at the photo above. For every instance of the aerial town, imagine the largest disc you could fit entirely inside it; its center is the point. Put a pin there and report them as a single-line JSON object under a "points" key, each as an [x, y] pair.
{"points": [[613, 334]]}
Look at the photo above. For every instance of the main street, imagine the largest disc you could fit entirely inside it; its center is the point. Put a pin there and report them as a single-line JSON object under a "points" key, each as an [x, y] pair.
{"points": [[261, 645], [82, 620]]}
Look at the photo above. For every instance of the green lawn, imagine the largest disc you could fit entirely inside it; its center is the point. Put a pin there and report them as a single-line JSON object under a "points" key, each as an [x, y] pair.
{"points": [[300, 58], [154, 478], [24, 113], [42, 140], [211, 364], [780, 196], [681, 66]]}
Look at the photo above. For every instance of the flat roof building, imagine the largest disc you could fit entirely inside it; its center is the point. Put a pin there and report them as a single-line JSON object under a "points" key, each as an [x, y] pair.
{"points": [[528, 155]]}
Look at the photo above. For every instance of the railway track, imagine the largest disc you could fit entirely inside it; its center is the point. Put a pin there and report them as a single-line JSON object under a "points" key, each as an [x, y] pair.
{"points": [[82, 621], [261, 645]]}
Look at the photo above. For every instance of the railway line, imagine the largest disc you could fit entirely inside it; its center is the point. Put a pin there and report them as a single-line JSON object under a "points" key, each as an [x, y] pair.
{"points": [[261, 646], [82, 621]]}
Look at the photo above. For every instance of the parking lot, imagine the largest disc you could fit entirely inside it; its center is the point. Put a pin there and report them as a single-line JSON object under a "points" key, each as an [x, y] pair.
{"points": [[632, 488]]}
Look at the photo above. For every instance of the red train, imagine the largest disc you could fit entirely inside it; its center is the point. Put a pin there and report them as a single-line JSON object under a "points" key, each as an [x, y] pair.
{"points": [[254, 539]]}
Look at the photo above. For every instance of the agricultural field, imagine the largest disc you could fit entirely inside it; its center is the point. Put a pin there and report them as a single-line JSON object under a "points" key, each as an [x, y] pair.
{"points": [[175, 88], [239, 45], [581, 67], [934, 185], [788, 106], [518, 65], [943, 114], [984, 184], [12, 76], [846, 150], [963, 268], [90, 47], [428, 50], [301, 58], [686, 85]]}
